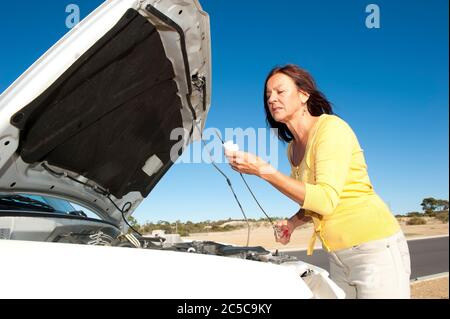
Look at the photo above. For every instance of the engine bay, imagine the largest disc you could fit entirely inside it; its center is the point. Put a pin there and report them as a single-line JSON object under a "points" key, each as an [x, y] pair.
{"points": [[77, 229], [256, 253]]}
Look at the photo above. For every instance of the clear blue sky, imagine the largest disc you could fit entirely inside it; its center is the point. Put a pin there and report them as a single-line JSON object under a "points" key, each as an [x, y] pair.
{"points": [[390, 84]]}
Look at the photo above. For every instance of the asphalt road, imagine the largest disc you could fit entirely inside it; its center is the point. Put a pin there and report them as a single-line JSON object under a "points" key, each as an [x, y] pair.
{"points": [[428, 257]]}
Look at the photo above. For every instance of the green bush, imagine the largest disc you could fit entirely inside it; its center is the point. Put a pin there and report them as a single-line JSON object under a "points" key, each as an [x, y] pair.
{"points": [[183, 233], [416, 221]]}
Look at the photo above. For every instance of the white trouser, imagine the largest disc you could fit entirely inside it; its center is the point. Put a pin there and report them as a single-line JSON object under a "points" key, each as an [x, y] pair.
{"points": [[378, 269]]}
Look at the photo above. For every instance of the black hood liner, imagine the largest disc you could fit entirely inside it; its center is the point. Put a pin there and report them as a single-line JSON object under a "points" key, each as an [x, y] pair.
{"points": [[109, 112]]}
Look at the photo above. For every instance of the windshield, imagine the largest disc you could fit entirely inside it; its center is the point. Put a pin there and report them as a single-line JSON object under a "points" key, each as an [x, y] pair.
{"points": [[43, 204]]}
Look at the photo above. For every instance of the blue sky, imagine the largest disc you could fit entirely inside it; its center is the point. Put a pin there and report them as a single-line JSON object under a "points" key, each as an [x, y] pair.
{"points": [[390, 84]]}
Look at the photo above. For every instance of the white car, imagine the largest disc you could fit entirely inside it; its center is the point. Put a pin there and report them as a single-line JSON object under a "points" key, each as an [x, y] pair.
{"points": [[88, 125]]}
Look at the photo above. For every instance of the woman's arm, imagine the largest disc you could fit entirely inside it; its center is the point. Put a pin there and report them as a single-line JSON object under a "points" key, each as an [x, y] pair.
{"points": [[289, 186], [299, 218], [332, 158]]}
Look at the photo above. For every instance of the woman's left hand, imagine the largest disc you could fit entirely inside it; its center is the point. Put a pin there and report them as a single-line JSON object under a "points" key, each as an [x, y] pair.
{"points": [[248, 163]]}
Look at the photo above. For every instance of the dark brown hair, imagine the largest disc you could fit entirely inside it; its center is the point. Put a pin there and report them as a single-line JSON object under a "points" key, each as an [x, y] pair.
{"points": [[317, 102]]}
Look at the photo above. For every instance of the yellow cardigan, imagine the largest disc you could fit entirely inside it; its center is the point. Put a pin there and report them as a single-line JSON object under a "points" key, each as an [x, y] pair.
{"points": [[339, 197]]}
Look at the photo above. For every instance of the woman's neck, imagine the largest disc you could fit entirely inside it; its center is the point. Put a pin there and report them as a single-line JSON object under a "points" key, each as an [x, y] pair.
{"points": [[300, 127]]}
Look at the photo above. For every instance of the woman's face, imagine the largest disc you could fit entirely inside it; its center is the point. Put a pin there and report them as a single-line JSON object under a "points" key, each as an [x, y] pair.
{"points": [[283, 98]]}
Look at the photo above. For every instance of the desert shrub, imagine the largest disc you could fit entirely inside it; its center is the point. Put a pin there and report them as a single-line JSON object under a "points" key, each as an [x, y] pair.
{"points": [[442, 216], [430, 214], [414, 214], [183, 233], [416, 221]]}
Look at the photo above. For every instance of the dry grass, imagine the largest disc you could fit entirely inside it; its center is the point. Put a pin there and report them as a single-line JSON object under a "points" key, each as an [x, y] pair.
{"points": [[430, 289]]}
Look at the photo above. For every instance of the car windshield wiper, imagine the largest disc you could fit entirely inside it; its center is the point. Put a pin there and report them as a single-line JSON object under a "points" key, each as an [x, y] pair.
{"points": [[23, 202]]}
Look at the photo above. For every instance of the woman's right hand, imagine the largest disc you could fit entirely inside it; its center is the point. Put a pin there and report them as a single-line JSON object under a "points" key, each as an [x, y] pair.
{"points": [[284, 230]]}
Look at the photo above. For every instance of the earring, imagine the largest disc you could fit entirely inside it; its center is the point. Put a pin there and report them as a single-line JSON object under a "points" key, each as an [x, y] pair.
{"points": [[304, 111]]}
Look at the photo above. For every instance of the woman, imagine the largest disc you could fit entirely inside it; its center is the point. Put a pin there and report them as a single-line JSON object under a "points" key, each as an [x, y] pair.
{"points": [[368, 253]]}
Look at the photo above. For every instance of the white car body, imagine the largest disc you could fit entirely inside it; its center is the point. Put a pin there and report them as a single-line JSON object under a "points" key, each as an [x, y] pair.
{"points": [[38, 133]]}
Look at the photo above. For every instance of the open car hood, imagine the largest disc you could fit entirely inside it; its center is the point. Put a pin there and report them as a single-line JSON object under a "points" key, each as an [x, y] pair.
{"points": [[91, 120]]}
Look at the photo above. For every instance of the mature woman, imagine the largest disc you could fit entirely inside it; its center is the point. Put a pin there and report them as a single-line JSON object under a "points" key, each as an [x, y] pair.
{"points": [[368, 253]]}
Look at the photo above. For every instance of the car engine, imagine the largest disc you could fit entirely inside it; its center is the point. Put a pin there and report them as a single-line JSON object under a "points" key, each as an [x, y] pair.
{"points": [[256, 253]]}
